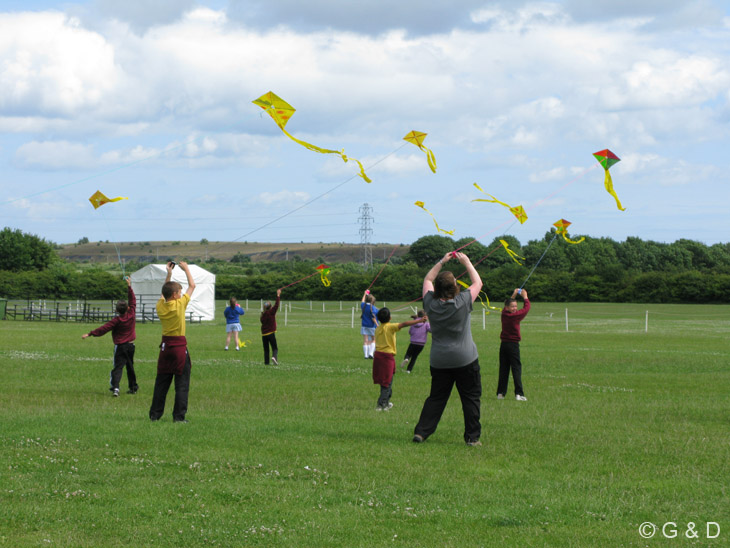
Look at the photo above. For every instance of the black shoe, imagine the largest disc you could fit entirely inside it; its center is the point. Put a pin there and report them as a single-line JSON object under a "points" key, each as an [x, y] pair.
{"points": [[133, 390], [417, 438]]}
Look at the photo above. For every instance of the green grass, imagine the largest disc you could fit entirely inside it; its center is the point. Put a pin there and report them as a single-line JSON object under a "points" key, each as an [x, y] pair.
{"points": [[622, 426]]}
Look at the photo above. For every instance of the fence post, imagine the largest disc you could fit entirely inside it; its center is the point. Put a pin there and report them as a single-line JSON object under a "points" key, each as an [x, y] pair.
{"points": [[323, 310], [484, 319], [352, 318], [566, 319], [286, 315], [646, 322], [340, 306]]}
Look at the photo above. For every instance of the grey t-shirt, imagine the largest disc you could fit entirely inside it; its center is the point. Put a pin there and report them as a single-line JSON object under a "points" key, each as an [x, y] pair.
{"points": [[451, 342]]}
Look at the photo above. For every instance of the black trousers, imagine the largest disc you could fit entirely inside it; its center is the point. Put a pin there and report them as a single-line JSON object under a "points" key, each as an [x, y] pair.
{"points": [[182, 387], [270, 340], [509, 359], [413, 351], [468, 382], [123, 357]]}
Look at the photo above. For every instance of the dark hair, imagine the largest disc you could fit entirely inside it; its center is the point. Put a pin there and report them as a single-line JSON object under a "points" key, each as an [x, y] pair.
{"points": [[121, 307], [509, 301], [169, 289], [233, 302], [420, 314], [445, 286], [384, 315]]}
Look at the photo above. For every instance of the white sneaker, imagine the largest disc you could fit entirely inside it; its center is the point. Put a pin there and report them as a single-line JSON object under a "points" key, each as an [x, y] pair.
{"points": [[520, 398], [116, 393], [405, 362], [236, 349], [500, 396], [226, 348], [274, 361], [388, 407]]}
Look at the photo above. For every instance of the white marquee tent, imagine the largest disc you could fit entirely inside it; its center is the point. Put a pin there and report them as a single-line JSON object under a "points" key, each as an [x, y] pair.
{"points": [[147, 285]]}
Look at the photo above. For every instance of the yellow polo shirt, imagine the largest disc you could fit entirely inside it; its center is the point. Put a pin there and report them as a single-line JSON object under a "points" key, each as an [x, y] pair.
{"points": [[385, 337], [172, 315]]}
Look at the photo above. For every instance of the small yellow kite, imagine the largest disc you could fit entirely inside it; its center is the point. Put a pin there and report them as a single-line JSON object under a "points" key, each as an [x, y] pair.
{"points": [[324, 271], [511, 252], [487, 306], [98, 199], [281, 111], [417, 137], [517, 211], [607, 158], [422, 206], [562, 228]]}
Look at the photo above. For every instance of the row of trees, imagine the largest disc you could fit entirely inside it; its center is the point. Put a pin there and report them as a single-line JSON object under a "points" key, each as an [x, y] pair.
{"points": [[597, 270]]}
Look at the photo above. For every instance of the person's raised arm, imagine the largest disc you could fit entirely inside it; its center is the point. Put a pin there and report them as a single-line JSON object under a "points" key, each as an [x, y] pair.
{"points": [[431, 275], [364, 295], [412, 322], [476, 281], [191, 282]]}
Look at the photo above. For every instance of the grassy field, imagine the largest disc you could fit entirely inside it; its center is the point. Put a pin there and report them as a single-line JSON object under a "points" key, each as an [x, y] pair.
{"points": [[622, 426]]}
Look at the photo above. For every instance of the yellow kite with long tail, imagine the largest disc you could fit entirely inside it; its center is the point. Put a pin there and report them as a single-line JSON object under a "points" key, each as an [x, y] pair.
{"points": [[439, 229], [417, 137], [281, 111], [517, 211]]}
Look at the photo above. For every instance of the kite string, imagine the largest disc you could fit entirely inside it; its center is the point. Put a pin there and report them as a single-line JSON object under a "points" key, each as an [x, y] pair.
{"points": [[305, 204], [301, 280], [389, 257], [537, 263], [116, 247]]}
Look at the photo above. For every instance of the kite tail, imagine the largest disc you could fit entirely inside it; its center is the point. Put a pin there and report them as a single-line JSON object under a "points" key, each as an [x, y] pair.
{"points": [[511, 252], [431, 159], [572, 241], [608, 183]]}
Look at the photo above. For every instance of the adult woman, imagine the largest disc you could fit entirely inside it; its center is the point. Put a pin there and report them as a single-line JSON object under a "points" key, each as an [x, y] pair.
{"points": [[368, 324], [454, 358], [233, 322]]}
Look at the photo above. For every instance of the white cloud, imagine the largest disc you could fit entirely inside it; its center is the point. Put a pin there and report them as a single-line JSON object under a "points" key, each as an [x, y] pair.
{"points": [[282, 198]]}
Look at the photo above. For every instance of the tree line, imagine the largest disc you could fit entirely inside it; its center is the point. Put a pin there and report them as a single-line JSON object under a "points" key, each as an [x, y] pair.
{"points": [[596, 270]]}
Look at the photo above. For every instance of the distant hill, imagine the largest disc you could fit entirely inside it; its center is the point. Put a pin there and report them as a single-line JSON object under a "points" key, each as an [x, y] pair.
{"points": [[105, 252]]}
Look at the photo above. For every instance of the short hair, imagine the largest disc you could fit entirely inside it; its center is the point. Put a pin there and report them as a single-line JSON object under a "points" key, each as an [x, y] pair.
{"points": [[170, 288], [122, 307], [509, 301], [233, 302], [384, 315], [445, 286]]}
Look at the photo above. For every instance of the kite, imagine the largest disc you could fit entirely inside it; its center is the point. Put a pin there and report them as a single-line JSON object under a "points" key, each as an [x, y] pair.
{"points": [[607, 158], [97, 199], [511, 253], [487, 306], [562, 228], [281, 111], [324, 270], [417, 137], [517, 211], [422, 206]]}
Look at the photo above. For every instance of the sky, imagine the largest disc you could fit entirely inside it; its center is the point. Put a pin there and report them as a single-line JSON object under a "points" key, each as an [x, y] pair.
{"points": [[153, 101]]}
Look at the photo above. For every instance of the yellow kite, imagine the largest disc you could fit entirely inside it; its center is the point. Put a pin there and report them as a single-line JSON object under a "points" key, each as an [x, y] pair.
{"points": [[562, 228], [97, 199], [511, 253], [422, 206], [487, 306], [417, 137], [517, 211], [607, 158], [281, 111]]}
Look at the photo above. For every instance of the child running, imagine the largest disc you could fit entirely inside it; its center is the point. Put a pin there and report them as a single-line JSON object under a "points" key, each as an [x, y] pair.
{"points": [[123, 335], [384, 357], [509, 350], [419, 334]]}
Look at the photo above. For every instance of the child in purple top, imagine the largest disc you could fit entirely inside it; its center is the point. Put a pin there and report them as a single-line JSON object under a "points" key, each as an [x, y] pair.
{"points": [[419, 334]]}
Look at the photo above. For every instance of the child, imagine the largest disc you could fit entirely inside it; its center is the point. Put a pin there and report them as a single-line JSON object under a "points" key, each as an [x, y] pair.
{"points": [[123, 335], [419, 334], [268, 330], [509, 350], [233, 324], [368, 323], [174, 360], [384, 357]]}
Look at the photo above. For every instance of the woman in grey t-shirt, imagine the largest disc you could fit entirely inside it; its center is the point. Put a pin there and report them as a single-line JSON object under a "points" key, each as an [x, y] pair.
{"points": [[454, 358]]}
